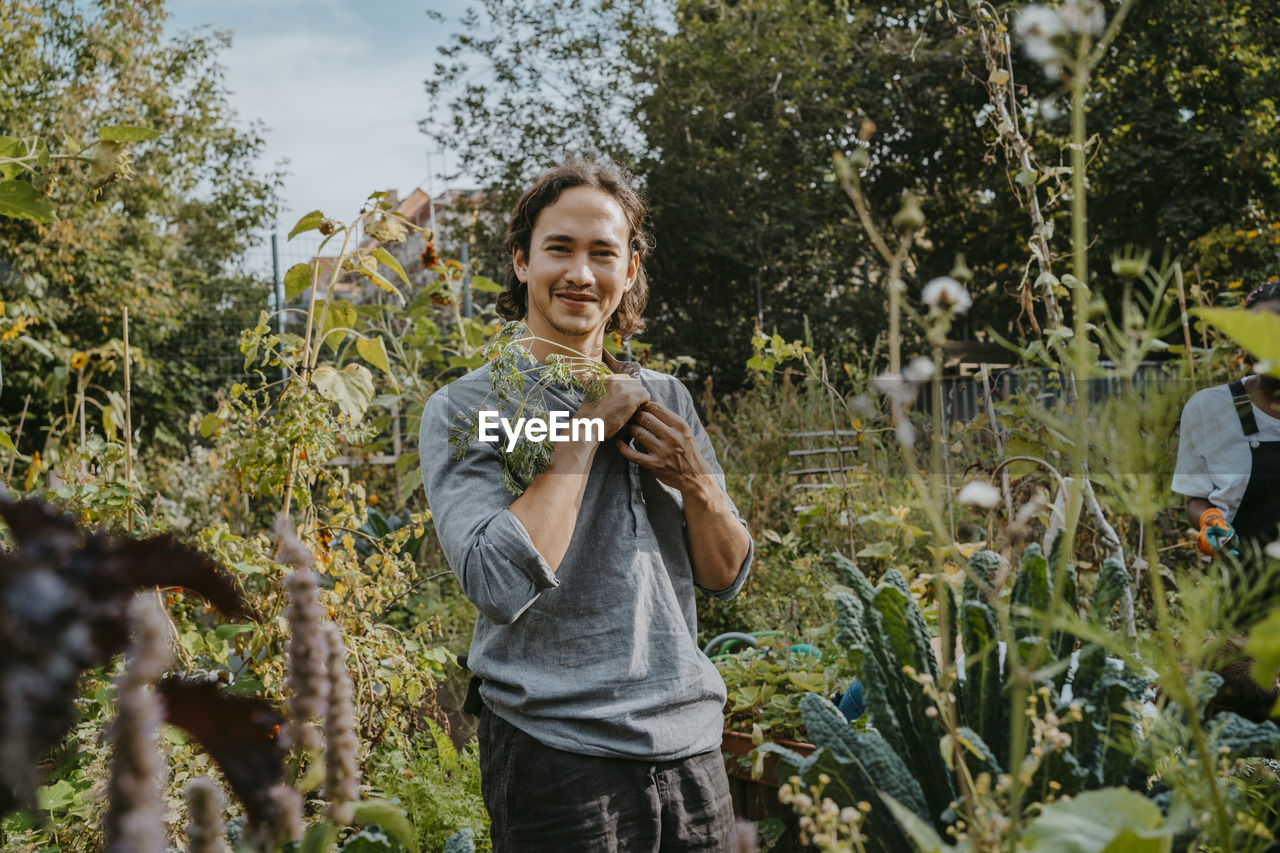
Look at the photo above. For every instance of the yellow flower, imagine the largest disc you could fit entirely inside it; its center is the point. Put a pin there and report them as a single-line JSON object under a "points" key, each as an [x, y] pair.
{"points": [[78, 361], [1235, 285], [33, 471], [19, 326], [1252, 233]]}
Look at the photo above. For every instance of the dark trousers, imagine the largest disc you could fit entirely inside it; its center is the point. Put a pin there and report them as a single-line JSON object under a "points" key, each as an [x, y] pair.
{"points": [[544, 800]]}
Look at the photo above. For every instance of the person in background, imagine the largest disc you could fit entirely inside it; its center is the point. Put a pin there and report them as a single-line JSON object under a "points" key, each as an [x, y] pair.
{"points": [[1229, 455], [1229, 469], [602, 719]]}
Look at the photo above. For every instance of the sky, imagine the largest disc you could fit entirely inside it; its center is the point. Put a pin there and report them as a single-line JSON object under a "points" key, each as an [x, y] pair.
{"points": [[338, 88]]}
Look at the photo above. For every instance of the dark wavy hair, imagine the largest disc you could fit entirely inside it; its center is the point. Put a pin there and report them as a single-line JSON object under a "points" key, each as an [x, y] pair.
{"points": [[513, 302], [1263, 293]]}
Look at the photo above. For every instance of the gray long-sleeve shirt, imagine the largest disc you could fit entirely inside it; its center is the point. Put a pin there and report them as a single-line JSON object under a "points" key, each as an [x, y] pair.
{"points": [[601, 656]]}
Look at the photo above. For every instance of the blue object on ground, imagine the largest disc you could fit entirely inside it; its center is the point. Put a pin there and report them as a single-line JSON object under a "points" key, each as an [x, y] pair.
{"points": [[806, 649], [851, 704]]}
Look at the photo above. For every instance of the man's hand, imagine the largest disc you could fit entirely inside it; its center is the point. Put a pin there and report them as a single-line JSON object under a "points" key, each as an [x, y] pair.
{"points": [[623, 395], [670, 452], [718, 543], [1216, 534]]}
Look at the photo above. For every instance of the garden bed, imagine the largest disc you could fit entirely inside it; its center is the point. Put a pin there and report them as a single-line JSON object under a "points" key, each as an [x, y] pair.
{"points": [[755, 799]]}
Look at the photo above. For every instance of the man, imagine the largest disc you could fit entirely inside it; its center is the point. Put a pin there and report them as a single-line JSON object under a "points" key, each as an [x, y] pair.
{"points": [[1229, 469], [1229, 454], [602, 719]]}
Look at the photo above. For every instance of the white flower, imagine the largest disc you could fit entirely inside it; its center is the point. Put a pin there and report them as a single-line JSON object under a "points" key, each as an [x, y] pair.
{"points": [[1037, 27], [1038, 21], [906, 434], [946, 294], [895, 387], [980, 494], [1082, 16], [919, 370]]}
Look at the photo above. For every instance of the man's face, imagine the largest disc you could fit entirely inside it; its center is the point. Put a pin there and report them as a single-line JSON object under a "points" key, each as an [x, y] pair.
{"points": [[578, 267]]}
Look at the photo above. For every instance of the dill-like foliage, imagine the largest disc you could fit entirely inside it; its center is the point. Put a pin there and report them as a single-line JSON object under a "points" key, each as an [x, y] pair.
{"points": [[518, 384]]}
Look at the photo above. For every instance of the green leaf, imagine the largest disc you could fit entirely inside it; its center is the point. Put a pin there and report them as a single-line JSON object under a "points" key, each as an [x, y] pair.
{"points": [[310, 222], [7, 443], [922, 835], [390, 817], [374, 351], [876, 549], [1263, 646], [173, 735], [1109, 820], [1256, 331], [341, 314], [319, 838], [59, 794], [351, 388], [127, 133], [387, 259], [812, 682], [381, 282], [485, 285], [1026, 177], [296, 280], [109, 425], [11, 148], [20, 200], [209, 424], [224, 632], [371, 839]]}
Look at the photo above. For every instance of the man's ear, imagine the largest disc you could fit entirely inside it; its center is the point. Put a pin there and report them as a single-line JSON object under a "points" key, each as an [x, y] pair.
{"points": [[633, 270], [521, 264]]}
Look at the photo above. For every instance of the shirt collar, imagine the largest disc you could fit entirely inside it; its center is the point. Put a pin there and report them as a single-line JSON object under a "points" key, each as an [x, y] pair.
{"points": [[630, 368]]}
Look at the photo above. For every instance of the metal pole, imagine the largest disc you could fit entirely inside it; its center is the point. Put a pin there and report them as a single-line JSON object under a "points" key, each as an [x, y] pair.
{"points": [[279, 284]]}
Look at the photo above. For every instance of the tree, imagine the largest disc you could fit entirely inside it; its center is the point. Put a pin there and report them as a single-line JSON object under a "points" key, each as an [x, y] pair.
{"points": [[748, 101], [741, 104], [1186, 118], [524, 86], [163, 238]]}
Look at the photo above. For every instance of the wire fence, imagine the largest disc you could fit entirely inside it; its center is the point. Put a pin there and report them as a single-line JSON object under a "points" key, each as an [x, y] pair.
{"points": [[211, 340]]}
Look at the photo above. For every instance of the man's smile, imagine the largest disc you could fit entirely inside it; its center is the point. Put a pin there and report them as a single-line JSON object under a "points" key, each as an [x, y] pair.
{"points": [[576, 298]]}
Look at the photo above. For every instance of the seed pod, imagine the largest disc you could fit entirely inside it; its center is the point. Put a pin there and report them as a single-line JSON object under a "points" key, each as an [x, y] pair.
{"points": [[909, 217], [387, 229]]}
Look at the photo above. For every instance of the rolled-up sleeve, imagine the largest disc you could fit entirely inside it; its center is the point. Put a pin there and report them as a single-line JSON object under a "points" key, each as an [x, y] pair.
{"points": [[487, 547], [686, 409]]}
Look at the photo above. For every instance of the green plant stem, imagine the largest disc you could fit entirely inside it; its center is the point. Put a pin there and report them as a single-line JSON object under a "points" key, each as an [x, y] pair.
{"points": [[81, 381], [1179, 692], [128, 425], [17, 437]]}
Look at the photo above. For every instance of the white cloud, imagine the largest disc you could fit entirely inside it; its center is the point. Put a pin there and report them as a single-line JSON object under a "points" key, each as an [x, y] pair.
{"points": [[341, 111]]}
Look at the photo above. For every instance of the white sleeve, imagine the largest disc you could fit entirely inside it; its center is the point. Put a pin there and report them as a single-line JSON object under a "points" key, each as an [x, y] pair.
{"points": [[1214, 457]]}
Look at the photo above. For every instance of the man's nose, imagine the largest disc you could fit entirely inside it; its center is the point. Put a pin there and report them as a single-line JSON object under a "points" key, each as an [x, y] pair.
{"points": [[580, 271]]}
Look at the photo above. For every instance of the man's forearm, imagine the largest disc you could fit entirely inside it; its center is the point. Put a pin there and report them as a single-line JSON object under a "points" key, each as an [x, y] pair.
{"points": [[549, 507], [1195, 509], [718, 543]]}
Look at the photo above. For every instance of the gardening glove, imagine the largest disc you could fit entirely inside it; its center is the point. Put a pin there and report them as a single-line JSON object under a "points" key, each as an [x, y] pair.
{"points": [[1216, 535]]}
